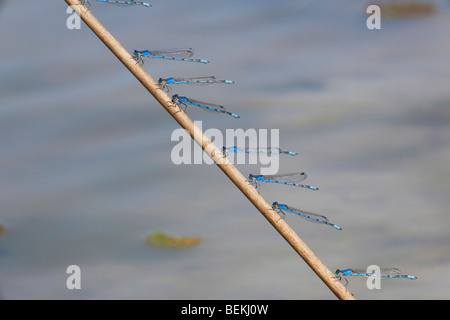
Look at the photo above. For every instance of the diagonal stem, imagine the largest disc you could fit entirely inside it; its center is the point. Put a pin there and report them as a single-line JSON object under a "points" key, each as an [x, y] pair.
{"points": [[211, 149]]}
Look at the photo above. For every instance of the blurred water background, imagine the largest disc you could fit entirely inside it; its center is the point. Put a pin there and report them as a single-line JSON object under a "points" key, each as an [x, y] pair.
{"points": [[86, 172]]}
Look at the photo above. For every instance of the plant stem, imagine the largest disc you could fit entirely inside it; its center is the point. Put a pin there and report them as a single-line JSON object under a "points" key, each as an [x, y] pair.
{"points": [[215, 153]]}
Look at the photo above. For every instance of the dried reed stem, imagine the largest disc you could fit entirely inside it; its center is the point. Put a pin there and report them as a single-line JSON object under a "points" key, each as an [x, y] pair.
{"points": [[216, 154]]}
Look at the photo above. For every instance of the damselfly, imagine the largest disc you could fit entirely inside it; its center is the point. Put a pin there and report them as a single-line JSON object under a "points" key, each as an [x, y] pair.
{"points": [[170, 54], [384, 273], [312, 217], [289, 179], [121, 3], [197, 81], [207, 106], [269, 150]]}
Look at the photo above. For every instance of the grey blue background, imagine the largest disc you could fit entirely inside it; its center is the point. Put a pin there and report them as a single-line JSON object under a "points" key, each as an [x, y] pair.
{"points": [[86, 173]]}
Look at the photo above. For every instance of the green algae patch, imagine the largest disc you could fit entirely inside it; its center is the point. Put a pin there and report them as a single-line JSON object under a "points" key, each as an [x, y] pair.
{"points": [[162, 240], [407, 9]]}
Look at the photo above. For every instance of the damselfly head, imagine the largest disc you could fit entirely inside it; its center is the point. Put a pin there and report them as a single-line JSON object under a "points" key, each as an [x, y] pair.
{"points": [[138, 57], [163, 84], [253, 181]]}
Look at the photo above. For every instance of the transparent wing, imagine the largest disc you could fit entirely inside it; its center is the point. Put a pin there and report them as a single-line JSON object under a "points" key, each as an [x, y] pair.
{"points": [[259, 150], [118, 3], [199, 81], [385, 271], [296, 177], [183, 53], [312, 217], [206, 104]]}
